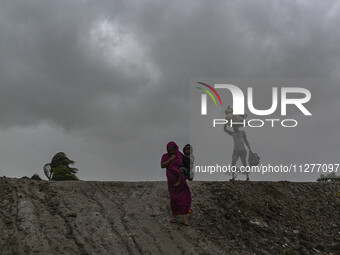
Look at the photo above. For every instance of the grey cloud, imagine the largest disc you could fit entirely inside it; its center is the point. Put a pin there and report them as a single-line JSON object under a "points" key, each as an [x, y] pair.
{"points": [[130, 90]]}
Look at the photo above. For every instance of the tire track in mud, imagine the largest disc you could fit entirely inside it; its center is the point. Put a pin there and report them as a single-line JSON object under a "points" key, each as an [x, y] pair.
{"points": [[149, 233], [123, 215], [6, 204], [180, 235], [168, 231], [111, 222], [70, 234], [14, 219], [183, 237], [123, 212], [53, 206]]}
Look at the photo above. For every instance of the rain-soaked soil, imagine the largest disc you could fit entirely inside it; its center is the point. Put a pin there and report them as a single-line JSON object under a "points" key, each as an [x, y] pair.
{"points": [[40, 217]]}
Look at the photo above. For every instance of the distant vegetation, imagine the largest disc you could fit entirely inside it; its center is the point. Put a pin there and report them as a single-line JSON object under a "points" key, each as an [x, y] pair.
{"points": [[59, 170], [36, 177], [329, 177]]}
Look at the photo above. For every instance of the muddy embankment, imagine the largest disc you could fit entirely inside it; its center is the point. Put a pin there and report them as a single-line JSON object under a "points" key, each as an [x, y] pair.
{"points": [[40, 217]]}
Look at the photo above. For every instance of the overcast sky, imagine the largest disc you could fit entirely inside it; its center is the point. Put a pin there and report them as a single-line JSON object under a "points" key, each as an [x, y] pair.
{"points": [[108, 82]]}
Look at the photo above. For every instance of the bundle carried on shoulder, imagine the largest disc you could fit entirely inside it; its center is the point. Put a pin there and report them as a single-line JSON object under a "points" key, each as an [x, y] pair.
{"points": [[230, 117]]}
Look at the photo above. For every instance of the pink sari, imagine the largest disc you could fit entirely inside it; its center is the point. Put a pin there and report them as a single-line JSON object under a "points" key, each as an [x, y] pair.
{"points": [[180, 196]]}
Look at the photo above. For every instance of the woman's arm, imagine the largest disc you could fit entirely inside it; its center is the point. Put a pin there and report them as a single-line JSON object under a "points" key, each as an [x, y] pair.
{"points": [[227, 131], [167, 163]]}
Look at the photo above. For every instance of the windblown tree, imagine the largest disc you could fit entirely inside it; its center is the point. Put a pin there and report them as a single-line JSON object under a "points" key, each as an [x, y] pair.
{"points": [[59, 170]]}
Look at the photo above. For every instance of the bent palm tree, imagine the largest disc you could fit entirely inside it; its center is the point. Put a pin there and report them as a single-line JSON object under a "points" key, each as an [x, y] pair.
{"points": [[59, 170]]}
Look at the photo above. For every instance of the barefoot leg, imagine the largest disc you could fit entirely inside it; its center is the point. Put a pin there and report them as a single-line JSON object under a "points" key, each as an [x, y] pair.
{"points": [[244, 162], [185, 221], [173, 219], [233, 163]]}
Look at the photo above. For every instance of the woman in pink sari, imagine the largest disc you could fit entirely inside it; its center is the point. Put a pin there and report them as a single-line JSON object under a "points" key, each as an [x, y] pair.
{"points": [[180, 196]]}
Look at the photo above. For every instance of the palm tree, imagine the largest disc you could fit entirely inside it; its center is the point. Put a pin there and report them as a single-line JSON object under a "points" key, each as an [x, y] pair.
{"points": [[59, 170]]}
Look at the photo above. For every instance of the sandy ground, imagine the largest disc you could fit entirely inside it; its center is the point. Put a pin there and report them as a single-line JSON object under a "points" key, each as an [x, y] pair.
{"points": [[40, 217]]}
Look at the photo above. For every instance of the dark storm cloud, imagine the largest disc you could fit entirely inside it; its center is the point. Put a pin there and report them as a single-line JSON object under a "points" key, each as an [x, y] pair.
{"points": [[119, 71]]}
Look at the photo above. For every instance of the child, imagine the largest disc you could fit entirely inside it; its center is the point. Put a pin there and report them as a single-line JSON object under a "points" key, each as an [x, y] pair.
{"points": [[188, 162], [240, 139]]}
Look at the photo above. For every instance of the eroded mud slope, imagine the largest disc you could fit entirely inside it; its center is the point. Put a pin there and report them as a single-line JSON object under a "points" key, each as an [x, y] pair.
{"points": [[40, 217]]}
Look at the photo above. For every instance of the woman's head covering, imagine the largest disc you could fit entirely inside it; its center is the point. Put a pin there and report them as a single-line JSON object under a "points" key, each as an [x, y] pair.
{"points": [[177, 152], [172, 145], [187, 146]]}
